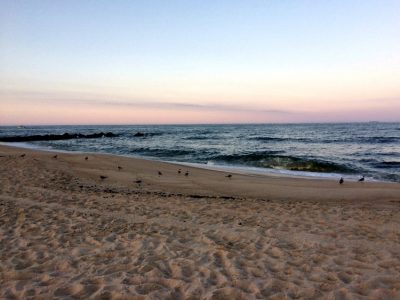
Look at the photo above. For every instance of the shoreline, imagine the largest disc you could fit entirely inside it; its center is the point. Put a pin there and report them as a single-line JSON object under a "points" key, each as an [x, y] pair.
{"points": [[237, 169], [244, 185], [135, 233]]}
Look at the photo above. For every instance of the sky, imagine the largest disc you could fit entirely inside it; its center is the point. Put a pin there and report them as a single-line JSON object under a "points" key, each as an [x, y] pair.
{"points": [[174, 62]]}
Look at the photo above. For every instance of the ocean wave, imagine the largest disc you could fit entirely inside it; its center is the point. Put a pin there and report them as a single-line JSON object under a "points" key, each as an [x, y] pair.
{"points": [[268, 138], [279, 139], [365, 140], [387, 164], [200, 137], [158, 152], [293, 163], [395, 154], [362, 140], [379, 139], [376, 153], [391, 177], [375, 163]]}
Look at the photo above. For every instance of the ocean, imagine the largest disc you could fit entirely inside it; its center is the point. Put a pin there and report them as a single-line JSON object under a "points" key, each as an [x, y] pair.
{"points": [[350, 150]]}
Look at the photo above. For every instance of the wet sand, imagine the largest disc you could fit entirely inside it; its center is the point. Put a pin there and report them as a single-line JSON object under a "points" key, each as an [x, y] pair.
{"points": [[67, 233]]}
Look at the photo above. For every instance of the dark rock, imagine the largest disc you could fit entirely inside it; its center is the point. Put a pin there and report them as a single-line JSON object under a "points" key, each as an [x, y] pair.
{"points": [[139, 134], [56, 137]]}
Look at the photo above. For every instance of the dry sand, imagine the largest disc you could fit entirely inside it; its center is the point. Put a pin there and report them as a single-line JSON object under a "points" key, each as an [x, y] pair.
{"points": [[66, 233]]}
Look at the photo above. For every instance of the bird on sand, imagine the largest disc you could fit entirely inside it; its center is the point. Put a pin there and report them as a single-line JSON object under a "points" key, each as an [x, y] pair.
{"points": [[119, 168], [187, 173], [55, 156], [229, 176], [86, 158], [103, 177], [159, 173], [341, 180], [361, 179], [22, 155]]}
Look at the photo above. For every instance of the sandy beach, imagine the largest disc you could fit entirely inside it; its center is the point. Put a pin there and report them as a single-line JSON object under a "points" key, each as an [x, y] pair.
{"points": [[66, 233]]}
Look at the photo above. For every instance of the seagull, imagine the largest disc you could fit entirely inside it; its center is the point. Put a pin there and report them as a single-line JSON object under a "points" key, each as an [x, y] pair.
{"points": [[361, 179], [119, 168], [86, 158], [341, 180], [187, 173], [22, 155], [159, 173], [103, 177], [229, 176]]}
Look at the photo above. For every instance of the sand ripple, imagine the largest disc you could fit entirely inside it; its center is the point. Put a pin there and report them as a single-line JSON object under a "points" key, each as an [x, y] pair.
{"points": [[65, 236]]}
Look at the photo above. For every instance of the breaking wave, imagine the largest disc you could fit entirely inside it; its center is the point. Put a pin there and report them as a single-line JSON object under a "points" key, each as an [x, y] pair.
{"points": [[158, 152], [273, 161]]}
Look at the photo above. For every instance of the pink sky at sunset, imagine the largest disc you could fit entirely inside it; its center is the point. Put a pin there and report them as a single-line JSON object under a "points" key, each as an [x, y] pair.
{"points": [[215, 63]]}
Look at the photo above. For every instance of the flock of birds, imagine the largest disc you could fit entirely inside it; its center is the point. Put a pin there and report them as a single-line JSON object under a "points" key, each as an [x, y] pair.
{"points": [[102, 177], [139, 181]]}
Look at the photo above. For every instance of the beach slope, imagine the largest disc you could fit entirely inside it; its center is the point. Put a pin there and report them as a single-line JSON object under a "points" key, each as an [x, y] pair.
{"points": [[77, 225]]}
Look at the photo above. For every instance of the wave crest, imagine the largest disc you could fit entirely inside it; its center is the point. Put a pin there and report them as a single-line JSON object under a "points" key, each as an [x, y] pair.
{"points": [[273, 161]]}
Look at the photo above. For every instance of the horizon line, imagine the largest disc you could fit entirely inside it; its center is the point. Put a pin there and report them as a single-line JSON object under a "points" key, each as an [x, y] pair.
{"points": [[197, 124]]}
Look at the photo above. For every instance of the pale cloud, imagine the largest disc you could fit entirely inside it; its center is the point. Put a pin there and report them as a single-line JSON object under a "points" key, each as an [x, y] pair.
{"points": [[51, 107], [48, 98]]}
